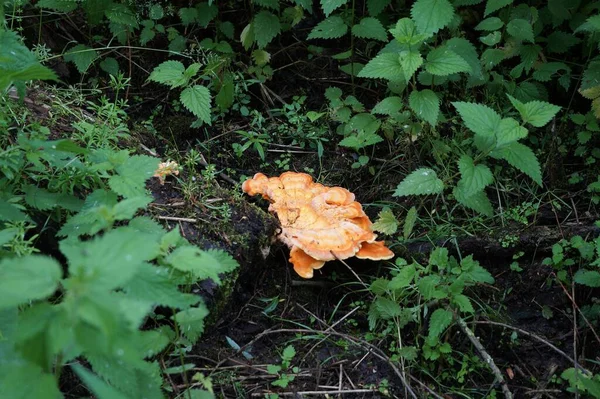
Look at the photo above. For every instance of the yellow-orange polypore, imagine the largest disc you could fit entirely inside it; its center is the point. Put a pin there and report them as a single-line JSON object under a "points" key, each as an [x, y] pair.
{"points": [[318, 223]]}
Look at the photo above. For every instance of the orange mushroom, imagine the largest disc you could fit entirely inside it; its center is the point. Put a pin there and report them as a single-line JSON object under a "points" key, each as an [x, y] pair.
{"points": [[318, 223]]}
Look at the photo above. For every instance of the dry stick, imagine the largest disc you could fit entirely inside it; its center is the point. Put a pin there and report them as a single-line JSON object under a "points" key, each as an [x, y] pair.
{"points": [[486, 356], [178, 219]]}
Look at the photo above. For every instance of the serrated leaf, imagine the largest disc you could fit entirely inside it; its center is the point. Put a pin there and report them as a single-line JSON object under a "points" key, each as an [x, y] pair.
{"points": [[384, 66], [474, 178], [110, 65], [405, 32], [439, 321], [225, 97], [521, 157], [191, 321], [272, 4], [590, 278], [360, 140], [170, 73], [491, 39], [370, 28], [99, 387], [27, 279], [261, 57], [509, 131], [197, 100], [428, 287], [388, 106], [403, 279], [330, 6], [375, 7], [489, 24], [410, 62], [386, 222], [442, 62], [423, 181], [537, 113], [479, 201], [520, 29], [82, 56], [592, 24], [58, 5], [330, 28], [464, 303], [132, 175], [206, 13], [387, 308], [478, 118], [409, 222], [266, 27], [560, 42], [494, 5], [431, 15], [426, 105], [467, 51]]}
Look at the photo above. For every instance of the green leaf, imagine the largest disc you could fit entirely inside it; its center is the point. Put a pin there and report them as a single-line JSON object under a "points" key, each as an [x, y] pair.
{"points": [[404, 278], [405, 32], [592, 24], [24, 380], [119, 13], [494, 5], [110, 66], [188, 15], [479, 201], [490, 24], [537, 113], [384, 66], [463, 302], [560, 42], [370, 28], [467, 51], [330, 28], [330, 6], [360, 140], [197, 100], [442, 61], [422, 181], [170, 73], [27, 279], [439, 321], [225, 97], [375, 7], [509, 131], [409, 222], [474, 178], [590, 278], [58, 5], [491, 39], [82, 56], [132, 176], [388, 106], [201, 264], [386, 222], [266, 27], [410, 62], [520, 29], [426, 105], [109, 261], [100, 388], [387, 308], [431, 15], [521, 157], [272, 4], [428, 287], [191, 321], [478, 118]]}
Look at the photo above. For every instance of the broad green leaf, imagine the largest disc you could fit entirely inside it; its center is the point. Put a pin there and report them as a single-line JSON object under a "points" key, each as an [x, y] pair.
{"points": [[479, 201], [360, 140], [42, 199], [590, 278], [197, 100], [442, 61], [410, 62], [370, 28], [537, 113], [509, 131], [426, 105], [272, 4], [409, 222], [490, 24], [463, 302], [491, 39], [11, 212], [592, 24], [82, 56], [386, 222], [191, 321], [422, 181], [478, 118], [428, 287], [266, 27], [206, 13], [110, 65], [58, 5], [224, 99], [156, 12], [560, 42], [201, 264], [330, 6], [384, 66], [375, 7], [132, 175], [405, 32], [388, 106], [352, 68], [24, 380], [474, 178], [120, 13], [431, 15], [170, 73], [467, 51], [27, 279], [494, 5], [548, 70], [521, 157], [387, 308], [330, 28], [188, 15], [520, 29], [439, 321], [100, 388], [404, 278]]}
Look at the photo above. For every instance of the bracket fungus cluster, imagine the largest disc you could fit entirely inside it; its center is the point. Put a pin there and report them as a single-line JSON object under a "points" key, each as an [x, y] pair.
{"points": [[319, 223]]}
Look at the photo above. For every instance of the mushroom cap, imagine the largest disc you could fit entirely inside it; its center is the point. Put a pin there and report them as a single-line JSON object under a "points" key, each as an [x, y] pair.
{"points": [[318, 223], [374, 251]]}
